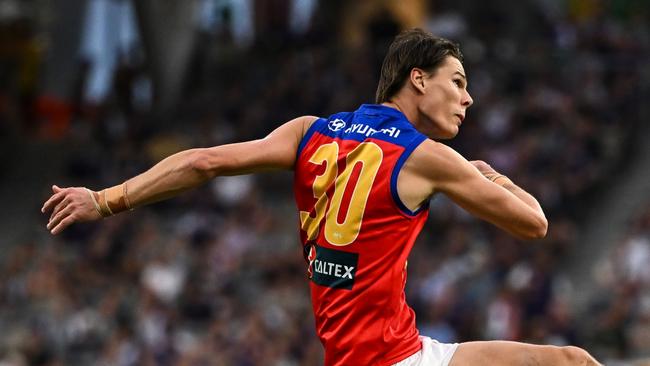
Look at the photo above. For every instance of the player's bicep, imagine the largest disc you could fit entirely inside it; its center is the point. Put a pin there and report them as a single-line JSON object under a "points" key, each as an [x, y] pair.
{"points": [[457, 178], [275, 151]]}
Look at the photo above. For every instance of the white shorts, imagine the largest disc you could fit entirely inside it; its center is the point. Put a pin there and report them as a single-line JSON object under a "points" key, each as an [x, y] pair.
{"points": [[433, 353]]}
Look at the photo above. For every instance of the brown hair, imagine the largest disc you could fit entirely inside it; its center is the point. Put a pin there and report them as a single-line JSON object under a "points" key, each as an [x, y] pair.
{"points": [[412, 48]]}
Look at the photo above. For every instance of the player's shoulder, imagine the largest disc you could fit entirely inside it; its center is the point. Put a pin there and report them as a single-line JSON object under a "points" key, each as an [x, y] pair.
{"points": [[307, 121], [431, 149], [300, 125], [432, 158]]}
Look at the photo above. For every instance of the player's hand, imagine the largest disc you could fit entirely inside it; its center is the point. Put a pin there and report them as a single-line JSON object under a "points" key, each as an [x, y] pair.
{"points": [[69, 205], [485, 169]]}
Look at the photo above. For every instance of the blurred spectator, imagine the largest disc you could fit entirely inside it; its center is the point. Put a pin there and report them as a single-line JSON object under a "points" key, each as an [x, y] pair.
{"points": [[622, 327]]}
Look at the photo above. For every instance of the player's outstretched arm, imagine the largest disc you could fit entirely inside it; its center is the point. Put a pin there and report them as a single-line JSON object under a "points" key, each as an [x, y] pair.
{"points": [[177, 173], [482, 191]]}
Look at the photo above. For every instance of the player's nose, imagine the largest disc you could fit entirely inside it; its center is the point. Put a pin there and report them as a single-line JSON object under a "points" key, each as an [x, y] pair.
{"points": [[467, 100]]}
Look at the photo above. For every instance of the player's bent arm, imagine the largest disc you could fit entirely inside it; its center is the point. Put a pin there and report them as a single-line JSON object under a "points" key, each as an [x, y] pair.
{"points": [[178, 173], [509, 208]]}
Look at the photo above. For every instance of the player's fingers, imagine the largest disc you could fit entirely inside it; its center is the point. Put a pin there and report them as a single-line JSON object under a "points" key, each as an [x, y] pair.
{"points": [[54, 200], [62, 225], [56, 189], [483, 167], [480, 164], [60, 206], [59, 216]]}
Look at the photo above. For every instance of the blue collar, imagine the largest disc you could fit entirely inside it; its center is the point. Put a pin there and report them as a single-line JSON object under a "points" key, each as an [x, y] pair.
{"points": [[378, 109]]}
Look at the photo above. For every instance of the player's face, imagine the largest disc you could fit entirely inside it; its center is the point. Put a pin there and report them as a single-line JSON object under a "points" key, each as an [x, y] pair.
{"points": [[445, 100]]}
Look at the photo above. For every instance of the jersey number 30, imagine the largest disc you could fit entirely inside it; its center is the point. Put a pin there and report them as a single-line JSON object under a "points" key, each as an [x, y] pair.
{"points": [[369, 155]]}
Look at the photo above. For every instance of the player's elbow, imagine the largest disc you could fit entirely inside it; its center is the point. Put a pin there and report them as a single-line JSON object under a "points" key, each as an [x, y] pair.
{"points": [[204, 163], [537, 229], [541, 228]]}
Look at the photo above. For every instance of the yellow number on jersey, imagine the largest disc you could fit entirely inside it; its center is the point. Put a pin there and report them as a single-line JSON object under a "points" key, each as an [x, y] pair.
{"points": [[369, 155], [326, 154]]}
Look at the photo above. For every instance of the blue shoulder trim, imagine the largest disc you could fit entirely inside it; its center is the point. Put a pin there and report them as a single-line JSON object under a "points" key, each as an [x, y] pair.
{"points": [[419, 138], [308, 135]]}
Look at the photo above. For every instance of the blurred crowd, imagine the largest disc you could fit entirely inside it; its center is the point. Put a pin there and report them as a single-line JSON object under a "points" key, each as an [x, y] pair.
{"points": [[622, 304], [216, 276]]}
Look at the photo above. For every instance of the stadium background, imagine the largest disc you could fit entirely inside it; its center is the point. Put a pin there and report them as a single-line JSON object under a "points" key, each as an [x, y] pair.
{"points": [[93, 92]]}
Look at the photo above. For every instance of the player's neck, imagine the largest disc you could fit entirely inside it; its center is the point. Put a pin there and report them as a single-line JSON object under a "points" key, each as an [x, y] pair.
{"points": [[404, 106]]}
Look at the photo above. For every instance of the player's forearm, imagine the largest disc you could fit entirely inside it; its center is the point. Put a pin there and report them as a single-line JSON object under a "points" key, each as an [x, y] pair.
{"points": [[524, 196], [528, 200], [171, 176], [509, 185]]}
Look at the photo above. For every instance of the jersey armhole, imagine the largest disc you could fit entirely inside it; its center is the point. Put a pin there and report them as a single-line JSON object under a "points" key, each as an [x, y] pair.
{"points": [[310, 132], [395, 174]]}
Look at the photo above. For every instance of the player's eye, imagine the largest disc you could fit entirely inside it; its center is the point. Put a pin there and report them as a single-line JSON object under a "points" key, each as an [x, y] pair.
{"points": [[458, 82]]}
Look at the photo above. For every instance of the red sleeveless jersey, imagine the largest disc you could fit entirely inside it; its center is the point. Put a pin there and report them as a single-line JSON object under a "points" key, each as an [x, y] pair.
{"points": [[357, 234]]}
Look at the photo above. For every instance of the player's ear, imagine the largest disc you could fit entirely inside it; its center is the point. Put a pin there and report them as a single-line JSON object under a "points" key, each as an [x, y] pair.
{"points": [[417, 79]]}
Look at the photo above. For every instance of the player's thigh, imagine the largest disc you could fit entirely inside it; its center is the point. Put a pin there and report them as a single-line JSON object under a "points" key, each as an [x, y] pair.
{"points": [[503, 353]]}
